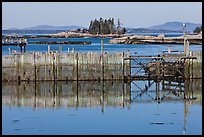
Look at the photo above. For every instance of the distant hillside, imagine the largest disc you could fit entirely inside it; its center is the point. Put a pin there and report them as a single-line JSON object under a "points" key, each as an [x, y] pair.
{"points": [[176, 26], [48, 27], [13, 29], [146, 30], [25, 32]]}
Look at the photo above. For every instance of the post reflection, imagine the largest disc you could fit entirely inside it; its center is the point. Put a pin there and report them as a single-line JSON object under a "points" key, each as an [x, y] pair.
{"points": [[166, 91], [99, 94], [91, 94], [66, 94], [188, 91]]}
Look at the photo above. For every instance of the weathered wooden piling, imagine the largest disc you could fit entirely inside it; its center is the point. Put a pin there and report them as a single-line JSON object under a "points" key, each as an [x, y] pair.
{"points": [[48, 48]]}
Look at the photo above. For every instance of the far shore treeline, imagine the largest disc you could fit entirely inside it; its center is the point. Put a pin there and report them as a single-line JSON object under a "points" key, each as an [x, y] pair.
{"points": [[105, 26], [198, 29]]}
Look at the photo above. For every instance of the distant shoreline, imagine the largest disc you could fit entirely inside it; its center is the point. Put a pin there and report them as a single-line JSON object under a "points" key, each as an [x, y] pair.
{"points": [[65, 35], [160, 39]]}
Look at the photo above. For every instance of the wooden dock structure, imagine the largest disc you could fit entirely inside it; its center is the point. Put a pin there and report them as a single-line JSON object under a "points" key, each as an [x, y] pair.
{"points": [[57, 66], [164, 67], [70, 66], [18, 42]]}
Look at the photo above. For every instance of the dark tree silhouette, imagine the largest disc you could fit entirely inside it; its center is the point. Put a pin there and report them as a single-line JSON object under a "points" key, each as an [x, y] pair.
{"points": [[105, 27], [198, 29]]}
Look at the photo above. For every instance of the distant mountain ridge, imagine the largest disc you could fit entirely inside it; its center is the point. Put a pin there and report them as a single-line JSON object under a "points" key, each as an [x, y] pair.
{"points": [[175, 26], [146, 30], [49, 27], [166, 27]]}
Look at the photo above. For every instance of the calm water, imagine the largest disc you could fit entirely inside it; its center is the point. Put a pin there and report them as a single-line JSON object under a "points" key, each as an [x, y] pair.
{"points": [[141, 107], [102, 108]]}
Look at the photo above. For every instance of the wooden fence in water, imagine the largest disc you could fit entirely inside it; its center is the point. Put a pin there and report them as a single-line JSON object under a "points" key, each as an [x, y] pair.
{"points": [[196, 69], [38, 66]]}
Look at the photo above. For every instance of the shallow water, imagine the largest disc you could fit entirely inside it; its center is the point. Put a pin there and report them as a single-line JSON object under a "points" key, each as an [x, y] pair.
{"points": [[139, 107]]}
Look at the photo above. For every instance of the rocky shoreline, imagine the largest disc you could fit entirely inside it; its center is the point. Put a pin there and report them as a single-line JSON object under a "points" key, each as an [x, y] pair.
{"points": [[161, 39], [68, 35], [62, 42], [118, 38]]}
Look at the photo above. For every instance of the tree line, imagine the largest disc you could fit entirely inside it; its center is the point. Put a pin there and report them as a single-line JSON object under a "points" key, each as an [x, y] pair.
{"points": [[198, 29], [106, 26]]}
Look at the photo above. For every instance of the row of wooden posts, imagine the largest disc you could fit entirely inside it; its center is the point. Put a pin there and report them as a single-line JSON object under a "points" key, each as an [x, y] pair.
{"points": [[64, 66]]}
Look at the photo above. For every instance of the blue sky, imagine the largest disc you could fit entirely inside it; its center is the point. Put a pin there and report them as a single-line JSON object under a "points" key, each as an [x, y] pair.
{"points": [[131, 14]]}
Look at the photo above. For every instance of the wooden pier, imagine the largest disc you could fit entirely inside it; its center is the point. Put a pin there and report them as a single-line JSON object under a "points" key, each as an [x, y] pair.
{"points": [[18, 42]]}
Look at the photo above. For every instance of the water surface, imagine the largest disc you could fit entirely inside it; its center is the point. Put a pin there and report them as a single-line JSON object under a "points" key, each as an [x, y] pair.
{"points": [[140, 107]]}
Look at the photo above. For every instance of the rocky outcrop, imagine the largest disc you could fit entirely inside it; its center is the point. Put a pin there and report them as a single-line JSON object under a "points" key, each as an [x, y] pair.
{"points": [[62, 42], [68, 35], [161, 39]]}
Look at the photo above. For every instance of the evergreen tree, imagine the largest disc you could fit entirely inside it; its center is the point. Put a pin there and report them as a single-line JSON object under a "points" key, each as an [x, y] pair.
{"points": [[198, 29], [104, 27]]}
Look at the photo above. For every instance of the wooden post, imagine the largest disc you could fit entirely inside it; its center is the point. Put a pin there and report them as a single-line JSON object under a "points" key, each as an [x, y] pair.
{"points": [[21, 48], [157, 91], [35, 67], [163, 70], [53, 66], [60, 49], [129, 67], [123, 94], [48, 49], [191, 55], [102, 58], [18, 70], [123, 65], [9, 50], [56, 66], [186, 79], [184, 39], [77, 67], [158, 69], [24, 46]]}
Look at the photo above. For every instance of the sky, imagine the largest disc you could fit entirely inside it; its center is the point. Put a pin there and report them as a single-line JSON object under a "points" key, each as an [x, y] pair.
{"points": [[131, 14]]}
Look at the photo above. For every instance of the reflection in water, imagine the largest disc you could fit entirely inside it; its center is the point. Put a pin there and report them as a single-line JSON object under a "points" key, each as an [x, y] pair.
{"points": [[167, 91], [189, 92], [89, 94], [94, 93], [66, 94]]}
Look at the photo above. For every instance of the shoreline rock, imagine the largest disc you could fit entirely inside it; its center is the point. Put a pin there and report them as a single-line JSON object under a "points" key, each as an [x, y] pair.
{"points": [[62, 42], [161, 39], [69, 35]]}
